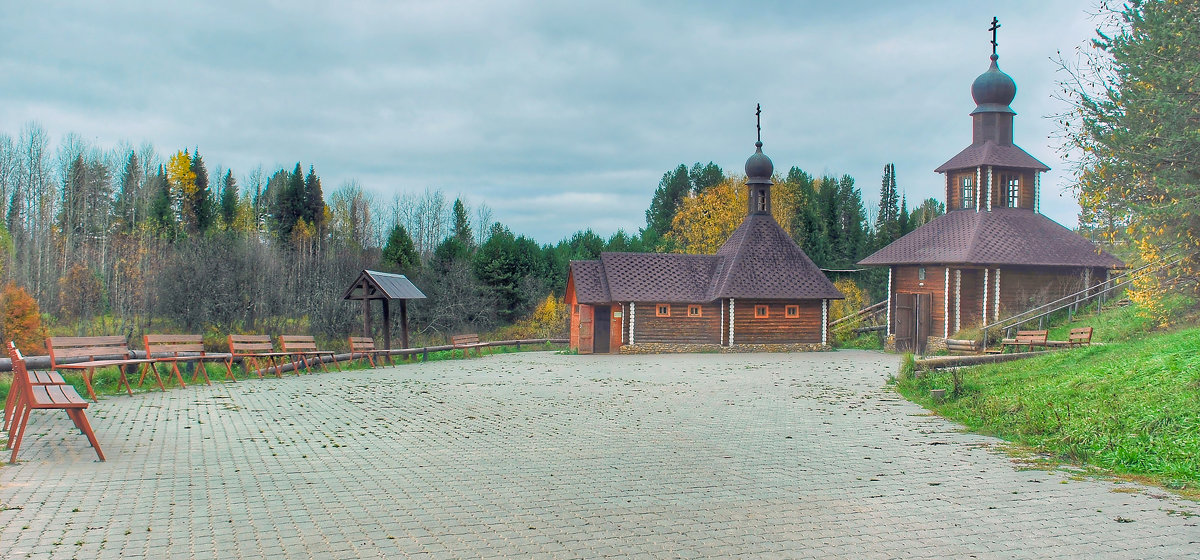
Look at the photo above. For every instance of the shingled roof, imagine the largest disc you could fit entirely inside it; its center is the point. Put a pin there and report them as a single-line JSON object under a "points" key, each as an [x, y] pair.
{"points": [[758, 261], [991, 153], [1003, 236]]}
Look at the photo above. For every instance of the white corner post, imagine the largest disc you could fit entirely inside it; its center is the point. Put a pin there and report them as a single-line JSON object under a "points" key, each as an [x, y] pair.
{"points": [[1037, 191], [731, 321], [946, 305], [997, 296], [978, 188], [957, 299], [985, 294], [632, 309], [824, 322], [989, 190], [889, 302]]}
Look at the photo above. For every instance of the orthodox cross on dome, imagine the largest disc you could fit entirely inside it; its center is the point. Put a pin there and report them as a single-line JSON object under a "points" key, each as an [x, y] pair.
{"points": [[993, 28], [758, 123]]}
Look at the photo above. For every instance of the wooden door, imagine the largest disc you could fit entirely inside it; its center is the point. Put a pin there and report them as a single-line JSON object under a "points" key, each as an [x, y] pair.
{"points": [[586, 329], [924, 320], [904, 321], [602, 329], [913, 317]]}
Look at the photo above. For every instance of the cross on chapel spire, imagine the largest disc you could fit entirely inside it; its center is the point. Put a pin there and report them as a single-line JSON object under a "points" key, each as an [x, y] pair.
{"points": [[993, 28], [758, 122]]}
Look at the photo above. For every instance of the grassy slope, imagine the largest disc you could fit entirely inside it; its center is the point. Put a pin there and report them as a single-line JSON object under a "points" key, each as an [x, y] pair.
{"points": [[1131, 406]]}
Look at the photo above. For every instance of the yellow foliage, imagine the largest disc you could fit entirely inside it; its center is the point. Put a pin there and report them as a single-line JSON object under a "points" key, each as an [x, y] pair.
{"points": [[856, 299], [549, 320], [703, 222], [180, 174]]}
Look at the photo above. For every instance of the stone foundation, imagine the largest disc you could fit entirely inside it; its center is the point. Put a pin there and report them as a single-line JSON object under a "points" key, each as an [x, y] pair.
{"points": [[667, 348]]}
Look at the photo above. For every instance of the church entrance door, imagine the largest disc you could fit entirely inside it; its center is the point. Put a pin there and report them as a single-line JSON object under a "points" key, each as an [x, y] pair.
{"points": [[914, 315]]}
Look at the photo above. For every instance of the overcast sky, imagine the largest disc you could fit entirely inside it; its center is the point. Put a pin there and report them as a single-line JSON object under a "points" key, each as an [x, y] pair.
{"points": [[558, 115]]}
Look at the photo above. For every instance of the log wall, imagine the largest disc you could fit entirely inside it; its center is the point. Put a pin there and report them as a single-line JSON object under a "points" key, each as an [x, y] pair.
{"points": [[678, 328], [776, 328]]}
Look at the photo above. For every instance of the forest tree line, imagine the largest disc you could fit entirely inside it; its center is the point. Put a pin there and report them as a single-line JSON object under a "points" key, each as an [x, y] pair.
{"points": [[127, 241]]}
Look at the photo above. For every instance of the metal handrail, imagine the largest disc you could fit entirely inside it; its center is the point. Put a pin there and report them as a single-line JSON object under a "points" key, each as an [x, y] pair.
{"points": [[1088, 294]]}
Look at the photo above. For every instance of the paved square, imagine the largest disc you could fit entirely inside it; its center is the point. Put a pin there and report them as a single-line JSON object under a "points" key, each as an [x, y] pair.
{"points": [[539, 455]]}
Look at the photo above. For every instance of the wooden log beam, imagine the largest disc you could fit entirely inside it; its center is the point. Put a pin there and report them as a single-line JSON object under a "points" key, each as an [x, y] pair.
{"points": [[940, 362]]}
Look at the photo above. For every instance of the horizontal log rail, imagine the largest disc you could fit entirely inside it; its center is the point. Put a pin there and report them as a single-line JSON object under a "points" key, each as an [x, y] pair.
{"points": [[43, 362], [864, 311]]}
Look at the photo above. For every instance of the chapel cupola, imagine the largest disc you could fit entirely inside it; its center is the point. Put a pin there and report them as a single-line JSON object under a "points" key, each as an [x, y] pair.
{"points": [[992, 172], [758, 176]]}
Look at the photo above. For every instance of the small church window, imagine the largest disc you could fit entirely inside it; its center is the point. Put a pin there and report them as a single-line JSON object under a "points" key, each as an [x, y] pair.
{"points": [[791, 311], [663, 310], [968, 191], [762, 200], [760, 311], [693, 311], [921, 273], [1012, 187]]}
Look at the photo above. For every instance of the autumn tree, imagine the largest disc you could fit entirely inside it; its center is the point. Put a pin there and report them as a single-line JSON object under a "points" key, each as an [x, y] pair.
{"points": [[1135, 108], [22, 319], [705, 220]]}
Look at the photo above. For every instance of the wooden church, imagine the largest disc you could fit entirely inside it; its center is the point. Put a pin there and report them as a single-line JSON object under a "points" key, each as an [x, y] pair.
{"points": [[993, 254], [759, 289]]}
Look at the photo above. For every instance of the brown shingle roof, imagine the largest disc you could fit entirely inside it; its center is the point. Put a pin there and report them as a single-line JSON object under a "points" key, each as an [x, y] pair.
{"points": [[991, 153], [589, 282], [1003, 236], [658, 276], [758, 261]]}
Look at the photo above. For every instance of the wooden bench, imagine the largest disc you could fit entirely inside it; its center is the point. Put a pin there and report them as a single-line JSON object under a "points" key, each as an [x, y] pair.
{"points": [[304, 347], [43, 397], [1026, 339], [33, 378], [175, 348], [1081, 336], [114, 349], [466, 342], [253, 350], [364, 347], [962, 346]]}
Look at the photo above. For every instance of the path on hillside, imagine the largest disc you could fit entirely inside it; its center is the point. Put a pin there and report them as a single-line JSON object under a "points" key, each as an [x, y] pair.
{"points": [[555, 456]]}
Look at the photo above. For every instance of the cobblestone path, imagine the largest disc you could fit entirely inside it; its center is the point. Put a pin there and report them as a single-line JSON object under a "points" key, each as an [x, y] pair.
{"points": [[540, 455]]}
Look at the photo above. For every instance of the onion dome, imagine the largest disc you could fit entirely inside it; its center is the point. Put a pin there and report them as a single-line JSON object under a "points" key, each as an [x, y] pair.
{"points": [[993, 90], [759, 167]]}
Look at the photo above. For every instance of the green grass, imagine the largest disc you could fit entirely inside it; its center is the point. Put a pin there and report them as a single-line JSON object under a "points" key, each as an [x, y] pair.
{"points": [[1129, 407]]}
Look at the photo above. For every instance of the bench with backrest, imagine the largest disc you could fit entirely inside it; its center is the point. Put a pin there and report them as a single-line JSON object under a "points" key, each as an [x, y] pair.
{"points": [[955, 346], [254, 350], [363, 347], [1080, 336], [466, 342], [43, 397], [175, 348], [1025, 339], [96, 351], [302, 347], [33, 378]]}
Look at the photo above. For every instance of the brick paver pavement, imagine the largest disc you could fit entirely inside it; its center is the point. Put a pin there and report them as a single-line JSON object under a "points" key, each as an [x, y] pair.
{"points": [[541, 455]]}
